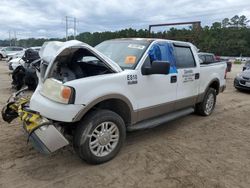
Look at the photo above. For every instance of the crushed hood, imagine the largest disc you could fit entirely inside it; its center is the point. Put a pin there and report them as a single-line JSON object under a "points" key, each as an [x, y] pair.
{"points": [[50, 50]]}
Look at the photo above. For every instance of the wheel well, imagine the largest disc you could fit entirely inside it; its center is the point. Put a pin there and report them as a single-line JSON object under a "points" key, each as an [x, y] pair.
{"points": [[215, 85], [118, 106]]}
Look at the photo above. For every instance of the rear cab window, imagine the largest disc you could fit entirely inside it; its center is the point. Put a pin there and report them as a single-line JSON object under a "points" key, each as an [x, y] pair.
{"points": [[202, 57], [210, 59]]}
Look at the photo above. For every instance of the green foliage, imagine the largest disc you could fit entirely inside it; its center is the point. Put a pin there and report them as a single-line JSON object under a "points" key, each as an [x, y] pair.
{"points": [[230, 37], [237, 62]]}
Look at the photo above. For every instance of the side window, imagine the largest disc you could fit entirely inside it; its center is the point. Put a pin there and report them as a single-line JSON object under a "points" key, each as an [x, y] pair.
{"points": [[184, 57], [8, 49], [202, 57], [209, 59]]}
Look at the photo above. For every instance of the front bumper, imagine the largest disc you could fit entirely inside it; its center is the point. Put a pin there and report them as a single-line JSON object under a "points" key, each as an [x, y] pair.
{"points": [[241, 84], [47, 139], [54, 110], [42, 133]]}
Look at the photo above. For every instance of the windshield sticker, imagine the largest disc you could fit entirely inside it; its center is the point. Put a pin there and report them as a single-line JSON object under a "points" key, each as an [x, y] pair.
{"points": [[136, 46], [130, 59]]}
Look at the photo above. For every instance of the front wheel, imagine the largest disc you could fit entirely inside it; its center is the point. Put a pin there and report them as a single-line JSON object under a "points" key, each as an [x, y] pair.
{"points": [[206, 107], [100, 136]]}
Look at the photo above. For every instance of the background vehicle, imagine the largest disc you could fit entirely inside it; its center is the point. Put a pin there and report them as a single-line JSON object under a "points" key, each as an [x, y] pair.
{"points": [[242, 80], [9, 51], [21, 54], [24, 70], [246, 66], [96, 94], [36, 48], [208, 58], [14, 63], [241, 59], [17, 59]]}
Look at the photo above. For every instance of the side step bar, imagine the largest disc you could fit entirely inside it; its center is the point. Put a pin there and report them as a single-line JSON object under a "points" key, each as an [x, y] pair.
{"points": [[160, 120]]}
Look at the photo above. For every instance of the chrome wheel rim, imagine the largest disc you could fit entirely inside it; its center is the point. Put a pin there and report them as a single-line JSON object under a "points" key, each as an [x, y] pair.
{"points": [[209, 104], [104, 139]]}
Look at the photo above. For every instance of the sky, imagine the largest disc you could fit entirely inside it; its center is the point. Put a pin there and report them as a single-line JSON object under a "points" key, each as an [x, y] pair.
{"points": [[46, 18]]}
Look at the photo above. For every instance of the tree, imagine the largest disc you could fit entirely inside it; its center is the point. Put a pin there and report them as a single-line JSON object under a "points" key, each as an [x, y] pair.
{"points": [[225, 22], [216, 25], [234, 21], [243, 21], [220, 38]]}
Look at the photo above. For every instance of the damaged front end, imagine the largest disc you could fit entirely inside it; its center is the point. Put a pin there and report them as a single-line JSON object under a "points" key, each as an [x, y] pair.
{"points": [[54, 102], [42, 133]]}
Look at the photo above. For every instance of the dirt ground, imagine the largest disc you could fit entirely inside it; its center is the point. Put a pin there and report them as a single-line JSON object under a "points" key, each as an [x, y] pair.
{"points": [[192, 151]]}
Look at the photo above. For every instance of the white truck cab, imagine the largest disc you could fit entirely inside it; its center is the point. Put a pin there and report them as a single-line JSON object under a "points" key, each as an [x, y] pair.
{"points": [[97, 94]]}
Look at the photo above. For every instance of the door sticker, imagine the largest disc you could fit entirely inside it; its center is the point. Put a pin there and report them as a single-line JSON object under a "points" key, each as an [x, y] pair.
{"points": [[188, 76]]}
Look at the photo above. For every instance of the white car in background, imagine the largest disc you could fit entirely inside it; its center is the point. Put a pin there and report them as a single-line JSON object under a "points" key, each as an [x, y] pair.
{"points": [[17, 60], [15, 55], [20, 54], [14, 63], [10, 51], [37, 48]]}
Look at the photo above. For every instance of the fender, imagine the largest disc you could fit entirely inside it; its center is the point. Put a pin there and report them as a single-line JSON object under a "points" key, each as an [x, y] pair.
{"points": [[202, 95], [89, 106]]}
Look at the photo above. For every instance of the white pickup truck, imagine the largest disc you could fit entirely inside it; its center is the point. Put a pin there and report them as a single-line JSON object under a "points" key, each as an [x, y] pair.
{"points": [[97, 94]]}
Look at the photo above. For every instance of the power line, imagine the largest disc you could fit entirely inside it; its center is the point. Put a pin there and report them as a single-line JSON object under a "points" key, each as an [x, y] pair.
{"points": [[14, 38]]}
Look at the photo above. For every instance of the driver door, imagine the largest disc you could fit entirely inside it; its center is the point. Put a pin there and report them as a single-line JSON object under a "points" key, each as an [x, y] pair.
{"points": [[156, 93]]}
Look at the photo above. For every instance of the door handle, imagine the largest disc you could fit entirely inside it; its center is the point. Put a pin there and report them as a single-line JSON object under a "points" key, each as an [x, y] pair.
{"points": [[197, 76], [173, 79]]}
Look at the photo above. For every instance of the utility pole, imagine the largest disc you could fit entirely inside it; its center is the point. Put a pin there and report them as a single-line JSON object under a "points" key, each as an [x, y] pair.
{"points": [[14, 37], [74, 28], [9, 38], [68, 21], [66, 28]]}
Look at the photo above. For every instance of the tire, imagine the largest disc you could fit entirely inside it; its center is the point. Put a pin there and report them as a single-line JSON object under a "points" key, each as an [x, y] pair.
{"points": [[91, 131], [1, 57], [206, 107]]}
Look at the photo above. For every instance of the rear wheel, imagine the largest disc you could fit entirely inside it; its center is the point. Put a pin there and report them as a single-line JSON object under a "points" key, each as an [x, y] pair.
{"points": [[206, 107], [1, 57], [100, 136]]}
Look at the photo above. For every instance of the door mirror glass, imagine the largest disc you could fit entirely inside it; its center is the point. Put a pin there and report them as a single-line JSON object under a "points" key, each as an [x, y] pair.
{"points": [[156, 67]]}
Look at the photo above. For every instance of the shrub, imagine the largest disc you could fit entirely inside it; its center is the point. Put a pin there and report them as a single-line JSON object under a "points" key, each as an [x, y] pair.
{"points": [[237, 62]]}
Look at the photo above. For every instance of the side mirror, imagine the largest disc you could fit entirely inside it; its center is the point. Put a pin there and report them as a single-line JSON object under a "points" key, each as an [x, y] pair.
{"points": [[156, 67]]}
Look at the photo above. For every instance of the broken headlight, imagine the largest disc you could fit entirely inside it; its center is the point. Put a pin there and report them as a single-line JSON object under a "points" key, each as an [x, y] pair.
{"points": [[56, 91]]}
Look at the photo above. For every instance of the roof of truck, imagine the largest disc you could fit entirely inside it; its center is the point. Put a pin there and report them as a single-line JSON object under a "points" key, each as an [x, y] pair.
{"points": [[150, 40], [205, 53]]}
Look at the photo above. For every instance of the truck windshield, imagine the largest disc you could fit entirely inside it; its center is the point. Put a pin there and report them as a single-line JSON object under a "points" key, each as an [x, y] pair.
{"points": [[126, 53]]}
